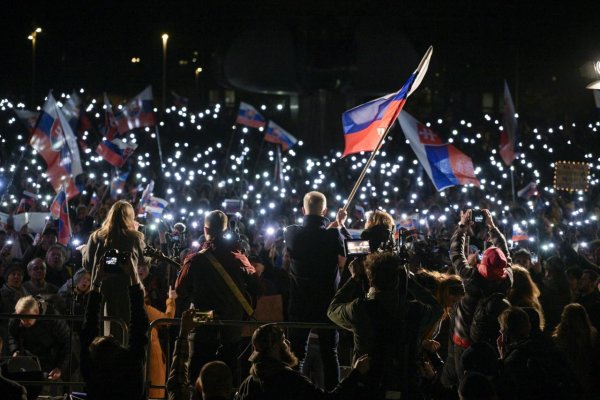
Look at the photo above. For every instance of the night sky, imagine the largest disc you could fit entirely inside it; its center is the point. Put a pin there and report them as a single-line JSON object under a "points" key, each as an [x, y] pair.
{"points": [[541, 48]]}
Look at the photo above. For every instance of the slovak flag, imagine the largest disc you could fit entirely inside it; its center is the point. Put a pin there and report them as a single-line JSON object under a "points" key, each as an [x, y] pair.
{"points": [[278, 135], [445, 164], [111, 126], [54, 140], [519, 234], [59, 209], [118, 183], [156, 206], [508, 136], [116, 151], [28, 201], [249, 116], [366, 124], [137, 113], [28, 118]]}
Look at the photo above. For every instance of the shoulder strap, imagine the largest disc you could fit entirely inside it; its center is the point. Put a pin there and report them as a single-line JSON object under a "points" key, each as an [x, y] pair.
{"points": [[229, 282]]}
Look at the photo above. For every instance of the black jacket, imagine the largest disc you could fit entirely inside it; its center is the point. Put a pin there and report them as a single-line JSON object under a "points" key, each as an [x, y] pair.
{"points": [[314, 252], [126, 378], [47, 339], [273, 380], [535, 369], [476, 286]]}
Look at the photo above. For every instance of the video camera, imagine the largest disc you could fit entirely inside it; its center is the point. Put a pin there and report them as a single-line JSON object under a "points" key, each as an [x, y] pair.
{"points": [[356, 247], [114, 260]]}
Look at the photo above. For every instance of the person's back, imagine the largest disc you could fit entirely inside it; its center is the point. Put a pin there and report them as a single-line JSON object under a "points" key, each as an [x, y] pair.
{"points": [[314, 254], [110, 370]]}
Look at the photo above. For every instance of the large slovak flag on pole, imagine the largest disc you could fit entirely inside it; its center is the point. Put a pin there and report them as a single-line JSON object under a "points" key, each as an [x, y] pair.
{"points": [[445, 164], [137, 113], [53, 138], [508, 136], [249, 116], [365, 124]]}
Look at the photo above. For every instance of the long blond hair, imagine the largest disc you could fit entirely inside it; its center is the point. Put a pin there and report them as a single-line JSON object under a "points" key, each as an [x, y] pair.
{"points": [[525, 293], [119, 224]]}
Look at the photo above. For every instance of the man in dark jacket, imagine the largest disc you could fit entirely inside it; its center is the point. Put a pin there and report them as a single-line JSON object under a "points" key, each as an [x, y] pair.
{"points": [[492, 275], [110, 370], [200, 283], [589, 297], [272, 377], [47, 339], [385, 325], [215, 380], [531, 366], [315, 253]]}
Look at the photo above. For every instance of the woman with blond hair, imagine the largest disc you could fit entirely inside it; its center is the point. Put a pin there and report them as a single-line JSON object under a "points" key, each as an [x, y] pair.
{"points": [[117, 232], [576, 338], [525, 293], [379, 229]]}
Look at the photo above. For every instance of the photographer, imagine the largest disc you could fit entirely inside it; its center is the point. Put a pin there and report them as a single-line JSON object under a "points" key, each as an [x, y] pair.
{"points": [[385, 325], [118, 231], [110, 370], [486, 284]]}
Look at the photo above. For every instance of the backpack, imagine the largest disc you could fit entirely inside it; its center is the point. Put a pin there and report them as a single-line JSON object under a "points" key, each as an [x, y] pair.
{"points": [[485, 326]]}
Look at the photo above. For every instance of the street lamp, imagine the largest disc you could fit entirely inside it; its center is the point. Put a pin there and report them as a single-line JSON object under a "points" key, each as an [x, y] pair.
{"points": [[165, 38], [196, 75], [33, 37]]}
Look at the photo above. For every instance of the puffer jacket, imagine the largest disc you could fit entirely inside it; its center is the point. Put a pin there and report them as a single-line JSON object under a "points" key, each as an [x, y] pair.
{"points": [[476, 286]]}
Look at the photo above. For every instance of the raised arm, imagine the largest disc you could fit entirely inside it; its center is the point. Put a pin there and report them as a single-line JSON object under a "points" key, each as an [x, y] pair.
{"points": [[457, 247]]}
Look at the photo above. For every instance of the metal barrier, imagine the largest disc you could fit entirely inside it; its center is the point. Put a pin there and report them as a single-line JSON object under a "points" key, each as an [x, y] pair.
{"points": [[70, 318], [177, 321]]}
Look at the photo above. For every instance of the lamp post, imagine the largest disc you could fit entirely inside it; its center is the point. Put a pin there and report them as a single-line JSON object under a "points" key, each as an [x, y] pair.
{"points": [[33, 37], [165, 38], [196, 79]]}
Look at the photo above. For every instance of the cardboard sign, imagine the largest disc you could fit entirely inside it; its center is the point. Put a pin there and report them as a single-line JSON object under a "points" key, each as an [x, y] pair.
{"points": [[571, 176]]}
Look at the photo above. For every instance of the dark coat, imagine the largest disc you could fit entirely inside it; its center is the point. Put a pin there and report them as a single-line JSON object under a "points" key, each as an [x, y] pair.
{"points": [[314, 252], [273, 380], [47, 339], [378, 323], [126, 378]]}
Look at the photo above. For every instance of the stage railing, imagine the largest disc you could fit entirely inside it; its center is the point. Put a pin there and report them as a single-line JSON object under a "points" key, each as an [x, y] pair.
{"points": [[177, 321]]}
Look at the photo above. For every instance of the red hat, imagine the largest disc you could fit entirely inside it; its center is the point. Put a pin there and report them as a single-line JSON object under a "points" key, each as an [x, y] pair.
{"points": [[493, 264]]}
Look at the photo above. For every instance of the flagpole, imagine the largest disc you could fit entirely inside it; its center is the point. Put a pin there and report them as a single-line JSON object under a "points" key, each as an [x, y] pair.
{"points": [[21, 157], [512, 183], [160, 157], [260, 150], [364, 171]]}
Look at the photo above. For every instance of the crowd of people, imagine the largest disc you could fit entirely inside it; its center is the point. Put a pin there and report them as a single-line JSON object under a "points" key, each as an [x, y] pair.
{"points": [[443, 307], [495, 326]]}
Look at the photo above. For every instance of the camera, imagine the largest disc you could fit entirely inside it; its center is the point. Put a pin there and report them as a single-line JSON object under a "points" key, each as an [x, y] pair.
{"points": [[114, 260], [477, 216], [356, 247], [202, 316]]}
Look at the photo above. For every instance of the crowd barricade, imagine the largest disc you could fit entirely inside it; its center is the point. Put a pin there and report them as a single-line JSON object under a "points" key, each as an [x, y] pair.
{"points": [[252, 323], [68, 318]]}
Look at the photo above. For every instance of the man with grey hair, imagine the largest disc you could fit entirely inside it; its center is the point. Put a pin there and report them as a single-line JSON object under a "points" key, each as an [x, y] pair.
{"points": [[316, 250], [37, 284]]}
